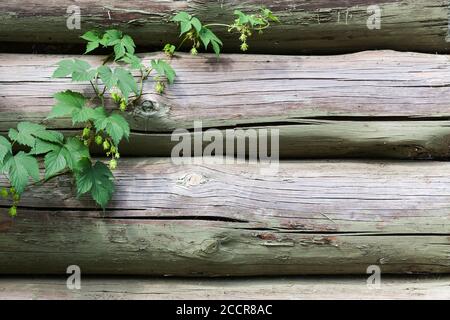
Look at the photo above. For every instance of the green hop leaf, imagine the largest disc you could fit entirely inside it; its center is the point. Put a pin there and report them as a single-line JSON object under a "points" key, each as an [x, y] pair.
{"points": [[111, 38], [65, 156], [56, 161], [182, 16], [134, 61], [19, 168], [72, 104], [27, 132], [93, 39], [120, 78], [97, 179], [269, 15], [5, 148], [79, 70], [114, 125], [208, 37], [126, 82], [187, 22], [164, 69]]}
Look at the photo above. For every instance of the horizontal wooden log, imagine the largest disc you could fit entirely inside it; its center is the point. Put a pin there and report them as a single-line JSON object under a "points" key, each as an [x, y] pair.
{"points": [[319, 26], [304, 288], [325, 217], [370, 104]]}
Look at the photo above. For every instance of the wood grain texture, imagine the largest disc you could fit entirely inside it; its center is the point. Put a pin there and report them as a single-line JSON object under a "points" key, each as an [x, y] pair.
{"points": [[323, 217], [369, 104], [319, 26], [304, 288]]}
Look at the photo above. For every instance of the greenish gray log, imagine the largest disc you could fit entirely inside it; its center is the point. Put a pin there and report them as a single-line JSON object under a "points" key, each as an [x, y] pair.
{"points": [[322, 217], [317, 26], [370, 104], [301, 288]]}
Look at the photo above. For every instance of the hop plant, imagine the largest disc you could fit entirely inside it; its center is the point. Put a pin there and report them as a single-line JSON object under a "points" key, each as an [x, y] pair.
{"points": [[123, 106], [86, 132], [113, 164], [106, 127], [98, 140], [4, 193], [13, 211], [116, 97], [106, 145], [159, 87]]}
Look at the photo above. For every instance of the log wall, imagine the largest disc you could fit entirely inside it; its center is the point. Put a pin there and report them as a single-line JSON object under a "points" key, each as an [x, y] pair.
{"points": [[310, 217], [325, 26], [380, 104]]}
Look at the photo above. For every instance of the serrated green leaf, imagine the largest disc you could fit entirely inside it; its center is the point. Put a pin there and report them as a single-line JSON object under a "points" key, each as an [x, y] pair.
{"points": [[125, 82], [84, 114], [185, 26], [216, 47], [128, 43], [134, 61], [164, 69], [55, 161], [91, 46], [107, 76], [93, 40], [119, 51], [67, 102], [79, 69], [115, 126], [97, 179], [27, 132], [181, 16], [91, 36], [43, 147], [5, 148], [207, 37], [62, 156], [269, 15], [65, 68], [77, 151], [111, 38], [19, 169], [72, 104], [196, 23], [242, 17], [83, 75]]}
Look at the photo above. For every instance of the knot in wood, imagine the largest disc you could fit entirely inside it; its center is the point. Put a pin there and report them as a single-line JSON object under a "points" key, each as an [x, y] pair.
{"points": [[191, 179], [149, 108]]}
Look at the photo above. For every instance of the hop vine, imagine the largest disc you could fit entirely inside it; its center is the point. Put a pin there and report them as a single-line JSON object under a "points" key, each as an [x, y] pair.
{"points": [[102, 116]]}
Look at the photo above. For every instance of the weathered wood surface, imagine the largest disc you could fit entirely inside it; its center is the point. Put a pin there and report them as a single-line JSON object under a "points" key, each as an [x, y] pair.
{"points": [[304, 288], [319, 26], [323, 217], [370, 104]]}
